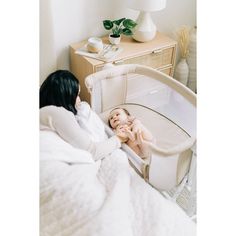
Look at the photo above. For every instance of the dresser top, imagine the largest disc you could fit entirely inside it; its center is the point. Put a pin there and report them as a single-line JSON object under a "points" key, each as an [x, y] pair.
{"points": [[131, 48]]}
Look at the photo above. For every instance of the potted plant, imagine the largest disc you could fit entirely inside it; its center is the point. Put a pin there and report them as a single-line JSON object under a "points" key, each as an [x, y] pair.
{"points": [[118, 27], [182, 68]]}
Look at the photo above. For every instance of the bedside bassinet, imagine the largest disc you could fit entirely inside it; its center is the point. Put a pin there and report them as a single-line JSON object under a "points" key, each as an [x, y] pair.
{"points": [[165, 106]]}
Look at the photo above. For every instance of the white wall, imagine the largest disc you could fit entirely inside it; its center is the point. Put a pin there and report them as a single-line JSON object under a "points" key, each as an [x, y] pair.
{"points": [[48, 56], [63, 22]]}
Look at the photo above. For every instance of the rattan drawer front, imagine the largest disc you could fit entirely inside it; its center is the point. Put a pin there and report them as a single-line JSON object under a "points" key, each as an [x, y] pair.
{"points": [[155, 59], [167, 71], [98, 68]]}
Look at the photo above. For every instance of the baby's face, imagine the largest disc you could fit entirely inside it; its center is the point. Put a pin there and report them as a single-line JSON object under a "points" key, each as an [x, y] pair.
{"points": [[117, 117]]}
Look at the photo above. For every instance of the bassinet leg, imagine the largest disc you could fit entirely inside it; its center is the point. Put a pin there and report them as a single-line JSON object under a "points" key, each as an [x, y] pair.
{"points": [[192, 169], [191, 185], [180, 188], [173, 194]]}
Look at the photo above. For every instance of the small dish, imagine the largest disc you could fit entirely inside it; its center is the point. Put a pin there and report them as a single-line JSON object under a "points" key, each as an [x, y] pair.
{"points": [[94, 44]]}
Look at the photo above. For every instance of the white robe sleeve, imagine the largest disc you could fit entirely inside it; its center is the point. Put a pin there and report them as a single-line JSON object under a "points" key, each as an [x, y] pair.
{"points": [[64, 123]]}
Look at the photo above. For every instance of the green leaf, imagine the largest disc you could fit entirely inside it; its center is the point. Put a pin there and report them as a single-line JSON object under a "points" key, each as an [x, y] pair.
{"points": [[127, 31], [130, 24], [118, 22], [116, 31], [107, 24]]}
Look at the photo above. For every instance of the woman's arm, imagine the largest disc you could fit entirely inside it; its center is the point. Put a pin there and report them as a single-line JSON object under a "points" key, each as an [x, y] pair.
{"points": [[64, 123]]}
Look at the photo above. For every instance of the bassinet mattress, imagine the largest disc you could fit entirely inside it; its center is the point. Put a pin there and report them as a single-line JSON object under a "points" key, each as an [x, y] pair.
{"points": [[166, 132]]}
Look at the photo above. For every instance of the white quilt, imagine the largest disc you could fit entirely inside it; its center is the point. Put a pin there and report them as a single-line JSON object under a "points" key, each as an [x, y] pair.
{"points": [[106, 198]]}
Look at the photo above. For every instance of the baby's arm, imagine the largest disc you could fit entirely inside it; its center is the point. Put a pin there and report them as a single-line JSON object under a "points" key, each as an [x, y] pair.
{"points": [[139, 128], [143, 146], [146, 134]]}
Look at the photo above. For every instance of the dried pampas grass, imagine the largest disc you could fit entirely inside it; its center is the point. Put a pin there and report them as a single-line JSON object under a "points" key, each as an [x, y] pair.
{"points": [[183, 37]]}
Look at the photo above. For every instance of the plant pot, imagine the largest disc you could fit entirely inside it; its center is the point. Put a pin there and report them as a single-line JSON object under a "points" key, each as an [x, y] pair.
{"points": [[114, 39]]}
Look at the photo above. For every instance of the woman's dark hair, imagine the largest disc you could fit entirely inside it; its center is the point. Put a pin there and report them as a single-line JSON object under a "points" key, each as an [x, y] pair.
{"points": [[59, 89]]}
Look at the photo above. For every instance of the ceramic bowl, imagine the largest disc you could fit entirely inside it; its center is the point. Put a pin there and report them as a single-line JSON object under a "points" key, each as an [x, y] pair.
{"points": [[94, 44]]}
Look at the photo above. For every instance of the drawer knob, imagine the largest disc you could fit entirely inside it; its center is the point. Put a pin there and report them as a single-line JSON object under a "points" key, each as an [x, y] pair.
{"points": [[157, 51]]}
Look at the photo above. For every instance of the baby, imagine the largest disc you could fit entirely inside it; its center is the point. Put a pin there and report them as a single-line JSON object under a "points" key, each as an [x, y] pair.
{"points": [[135, 132]]}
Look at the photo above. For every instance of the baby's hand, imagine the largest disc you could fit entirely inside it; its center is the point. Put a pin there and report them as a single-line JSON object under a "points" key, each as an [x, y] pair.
{"points": [[137, 126], [130, 120], [130, 134]]}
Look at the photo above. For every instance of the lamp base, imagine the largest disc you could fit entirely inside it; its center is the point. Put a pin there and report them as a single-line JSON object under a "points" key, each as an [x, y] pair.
{"points": [[142, 36], [145, 29]]}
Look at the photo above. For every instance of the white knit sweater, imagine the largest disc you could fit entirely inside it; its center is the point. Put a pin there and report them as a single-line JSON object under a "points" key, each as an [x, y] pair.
{"points": [[64, 123]]}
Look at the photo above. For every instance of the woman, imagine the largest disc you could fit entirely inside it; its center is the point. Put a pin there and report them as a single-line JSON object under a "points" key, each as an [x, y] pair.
{"points": [[59, 96]]}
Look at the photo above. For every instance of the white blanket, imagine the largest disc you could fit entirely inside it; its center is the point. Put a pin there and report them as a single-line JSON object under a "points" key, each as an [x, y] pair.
{"points": [[107, 198]]}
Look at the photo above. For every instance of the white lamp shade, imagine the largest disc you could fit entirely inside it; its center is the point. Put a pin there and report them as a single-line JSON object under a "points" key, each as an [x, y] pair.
{"points": [[147, 5]]}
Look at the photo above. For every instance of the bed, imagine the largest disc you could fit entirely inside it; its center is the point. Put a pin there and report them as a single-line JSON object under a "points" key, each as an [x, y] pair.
{"points": [[79, 196]]}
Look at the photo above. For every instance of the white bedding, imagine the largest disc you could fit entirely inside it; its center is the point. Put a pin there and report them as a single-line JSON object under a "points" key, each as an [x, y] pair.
{"points": [[106, 198]]}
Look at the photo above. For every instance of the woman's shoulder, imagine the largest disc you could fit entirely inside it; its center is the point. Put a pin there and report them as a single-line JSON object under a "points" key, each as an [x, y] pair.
{"points": [[54, 110], [53, 115]]}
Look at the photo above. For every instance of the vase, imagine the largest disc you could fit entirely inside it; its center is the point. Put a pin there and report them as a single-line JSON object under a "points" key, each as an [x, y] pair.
{"points": [[114, 39], [191, 59], [182, 71]]}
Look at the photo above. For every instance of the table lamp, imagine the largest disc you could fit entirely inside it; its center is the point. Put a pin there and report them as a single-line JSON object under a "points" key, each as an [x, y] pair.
{"points": [[145, 29]]}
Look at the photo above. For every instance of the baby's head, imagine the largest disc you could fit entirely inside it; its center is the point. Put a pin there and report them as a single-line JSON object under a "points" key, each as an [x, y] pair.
{"points": [[118, 116]]}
